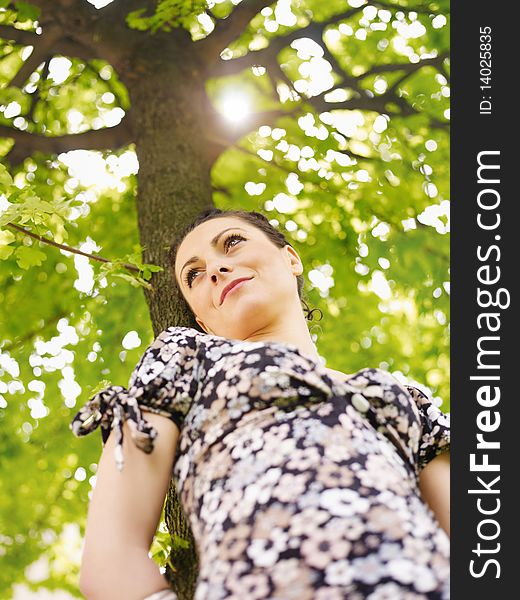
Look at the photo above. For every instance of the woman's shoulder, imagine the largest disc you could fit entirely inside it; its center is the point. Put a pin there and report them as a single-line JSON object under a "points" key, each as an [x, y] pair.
{"points": [[172, 346]]}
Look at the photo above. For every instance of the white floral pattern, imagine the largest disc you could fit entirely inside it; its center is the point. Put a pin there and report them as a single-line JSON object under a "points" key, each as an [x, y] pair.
{"points": [[295, 485]]}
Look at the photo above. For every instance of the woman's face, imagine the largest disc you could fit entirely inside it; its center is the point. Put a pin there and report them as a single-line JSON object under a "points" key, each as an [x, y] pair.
{"points": [[223, 249]]}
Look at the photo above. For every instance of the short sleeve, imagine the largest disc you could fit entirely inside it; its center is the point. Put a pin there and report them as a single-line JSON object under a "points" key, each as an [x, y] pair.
{"points": [[434, 427], [164, 382]]}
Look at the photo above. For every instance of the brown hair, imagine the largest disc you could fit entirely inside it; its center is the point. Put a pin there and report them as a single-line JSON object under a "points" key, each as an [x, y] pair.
{"points": [[256, 219]]}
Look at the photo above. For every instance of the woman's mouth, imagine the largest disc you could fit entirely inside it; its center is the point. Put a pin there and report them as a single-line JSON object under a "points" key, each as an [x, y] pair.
{"points": [[232, 287]]}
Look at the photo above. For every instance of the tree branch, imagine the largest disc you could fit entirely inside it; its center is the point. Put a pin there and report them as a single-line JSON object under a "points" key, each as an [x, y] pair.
{"points": [[346, 79], [230, 28], [358, 157], [444, 71], [45, 240], [287, 169], [46, 4], [36, 94], [408, 110], [24, 38], [87, 32], [314, 30], [41, 52], [221, 138], [393, 88], [421, 8], [276, 73], [95, 139], [76, 49], [65, 46], [376, 103], [408, 67]]}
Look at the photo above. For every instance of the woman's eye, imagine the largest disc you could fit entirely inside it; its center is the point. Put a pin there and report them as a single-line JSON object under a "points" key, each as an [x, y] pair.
{"points": [[188, 279], [230, 238], [192, 272]]}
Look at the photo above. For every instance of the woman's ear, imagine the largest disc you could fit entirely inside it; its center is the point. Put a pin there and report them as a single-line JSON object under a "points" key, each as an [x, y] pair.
{"points": [[202, 326], [295, 262]]}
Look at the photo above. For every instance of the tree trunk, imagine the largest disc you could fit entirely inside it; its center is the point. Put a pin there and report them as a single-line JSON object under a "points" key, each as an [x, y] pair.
{"points": [[167, 95]]}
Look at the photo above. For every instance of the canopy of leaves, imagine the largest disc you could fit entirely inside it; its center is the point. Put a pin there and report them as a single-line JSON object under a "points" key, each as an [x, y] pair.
{"points": [[332, 118]]}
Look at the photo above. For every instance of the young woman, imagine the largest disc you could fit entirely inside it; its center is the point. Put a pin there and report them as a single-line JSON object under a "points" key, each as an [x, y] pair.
{"points": [[298, 481]]}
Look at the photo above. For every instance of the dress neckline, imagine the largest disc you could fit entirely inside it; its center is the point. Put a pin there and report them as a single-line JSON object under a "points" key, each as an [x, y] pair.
{"points": [[332, 380], [322, 367]]}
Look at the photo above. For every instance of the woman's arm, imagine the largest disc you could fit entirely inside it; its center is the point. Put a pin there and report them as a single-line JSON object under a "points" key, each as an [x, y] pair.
{"points": [[123, 515], [434, 483]]}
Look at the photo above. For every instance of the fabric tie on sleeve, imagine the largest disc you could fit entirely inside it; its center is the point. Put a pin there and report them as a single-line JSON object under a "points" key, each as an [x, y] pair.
{"points": [[110, 408]]}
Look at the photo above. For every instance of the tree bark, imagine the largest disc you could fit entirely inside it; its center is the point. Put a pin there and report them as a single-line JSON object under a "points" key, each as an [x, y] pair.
{"points": [[174, 184]]}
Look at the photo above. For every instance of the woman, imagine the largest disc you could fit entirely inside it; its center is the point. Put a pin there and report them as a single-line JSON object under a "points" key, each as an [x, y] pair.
{"points": [[299, 481]]}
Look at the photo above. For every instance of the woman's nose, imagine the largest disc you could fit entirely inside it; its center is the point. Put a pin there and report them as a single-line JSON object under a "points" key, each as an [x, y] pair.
{"points": [[217, 268]]}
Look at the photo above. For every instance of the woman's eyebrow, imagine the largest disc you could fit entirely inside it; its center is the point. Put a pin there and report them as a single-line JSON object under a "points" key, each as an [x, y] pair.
{"points": [[214, 242]]}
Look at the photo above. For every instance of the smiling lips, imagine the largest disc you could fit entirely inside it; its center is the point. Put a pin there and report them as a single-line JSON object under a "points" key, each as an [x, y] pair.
{"points": [[231, 285]]}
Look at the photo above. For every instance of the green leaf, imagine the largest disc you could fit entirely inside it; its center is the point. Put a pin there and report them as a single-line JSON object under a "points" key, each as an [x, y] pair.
{"points": [[6, 237], [135, 280], [27, 11], [169, 14], [29, 256], [99, 387], [134, 20], [12, 94], [10, 215], [178, 542], [5, 252], [34, 209], [6, 181], [153, 268]]}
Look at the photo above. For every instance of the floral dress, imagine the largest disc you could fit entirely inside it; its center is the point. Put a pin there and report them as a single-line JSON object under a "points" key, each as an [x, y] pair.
{"points": [[295, 485]]}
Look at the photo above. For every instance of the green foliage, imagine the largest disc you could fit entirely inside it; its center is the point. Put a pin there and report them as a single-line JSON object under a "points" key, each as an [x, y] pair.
{"points": [[164, 545], [169, 14], [364, 205], [6, 181], [21, 12], [117, 268], [13, 94], [26, 11]]}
